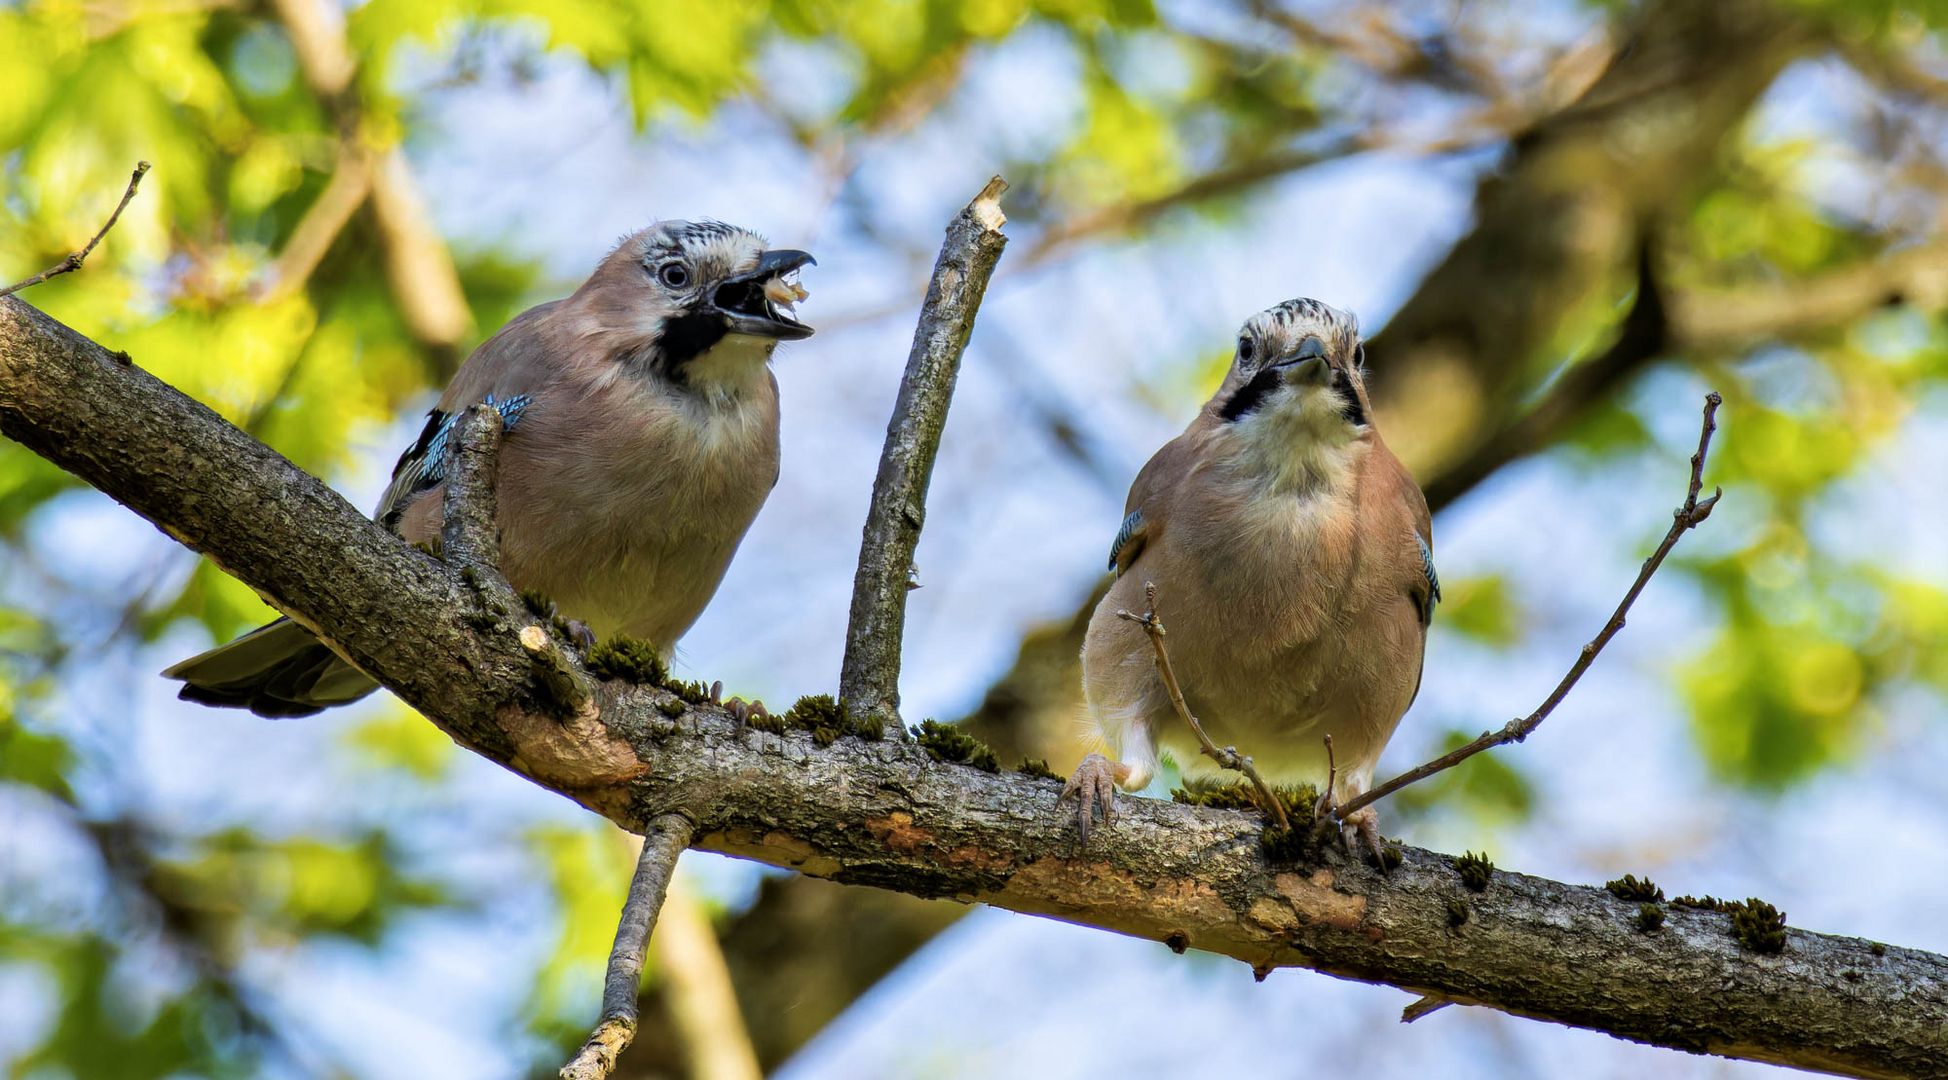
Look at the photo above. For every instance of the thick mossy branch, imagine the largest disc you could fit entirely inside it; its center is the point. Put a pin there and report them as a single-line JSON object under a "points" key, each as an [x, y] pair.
{"points": [[945, 742], [883, 813], [1631, 887], [632, 660], [1038, 767], [823, 717]]}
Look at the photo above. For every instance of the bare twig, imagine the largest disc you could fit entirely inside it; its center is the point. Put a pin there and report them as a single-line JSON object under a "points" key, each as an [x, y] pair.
{"points": [[1332, 770], [869, 678], [74, 260], [1421, 1006], [469, 531], [1226, 757], [470, 539], [1687, 517], [663, 841], [703, 1008]]}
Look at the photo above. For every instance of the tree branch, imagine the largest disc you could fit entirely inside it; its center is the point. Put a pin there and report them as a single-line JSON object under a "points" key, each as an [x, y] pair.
{"points": [[869, 681], [318, 229], [665, 839], [75, 258], [690, 965], [419, 268], [1226, 757], [1687, 517], [1720, 321], [1553, 227], [882, 813]]}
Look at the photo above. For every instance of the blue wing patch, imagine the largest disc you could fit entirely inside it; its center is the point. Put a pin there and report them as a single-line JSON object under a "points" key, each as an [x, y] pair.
{"points": [[424, 466], [432, 463], [1132, 530], [1433, 580]]}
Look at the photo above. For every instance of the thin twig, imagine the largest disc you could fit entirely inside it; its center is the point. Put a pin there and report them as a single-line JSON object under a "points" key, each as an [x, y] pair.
{"points": [[702, 1002], [1421, 1006], [1332, 778], [469, 530], [74, 260], [1226, 757], [870, 676], [470, 540], [668, 835], [1687, 517]]}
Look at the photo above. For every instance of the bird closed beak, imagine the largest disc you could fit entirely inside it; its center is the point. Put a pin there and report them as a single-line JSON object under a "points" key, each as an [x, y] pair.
{"points": [[1306, 364], [747, 301]]}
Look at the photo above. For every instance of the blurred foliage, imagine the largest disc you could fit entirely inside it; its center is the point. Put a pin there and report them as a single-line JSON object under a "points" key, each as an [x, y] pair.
{"points": [[1807, 645], [1482, 608], [589, 867], [1490, 787]]}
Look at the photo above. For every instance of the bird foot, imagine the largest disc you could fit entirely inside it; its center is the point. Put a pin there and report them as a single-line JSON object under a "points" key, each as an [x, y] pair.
{"points": [[740, 710], [578, 631], [1093, 787], [1358, 832]]}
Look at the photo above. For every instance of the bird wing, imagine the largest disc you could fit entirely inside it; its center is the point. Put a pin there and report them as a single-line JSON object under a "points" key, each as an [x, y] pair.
{"points": [[501, 372], [1426, 600], [424, 465], [1147, 511], [1128, 543]]}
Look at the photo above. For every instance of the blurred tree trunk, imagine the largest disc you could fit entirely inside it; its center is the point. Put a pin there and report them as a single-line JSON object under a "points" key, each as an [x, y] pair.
{"points": [[1558, 229]]}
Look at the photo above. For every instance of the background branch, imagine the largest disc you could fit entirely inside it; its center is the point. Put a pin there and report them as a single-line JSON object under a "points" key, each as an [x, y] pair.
{"points": [[419, 268], [663, 842], [702, 1003], [869, 680]]}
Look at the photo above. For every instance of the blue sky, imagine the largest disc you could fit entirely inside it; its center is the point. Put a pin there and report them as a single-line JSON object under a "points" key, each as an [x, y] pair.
{"points": [[1016, 534]]}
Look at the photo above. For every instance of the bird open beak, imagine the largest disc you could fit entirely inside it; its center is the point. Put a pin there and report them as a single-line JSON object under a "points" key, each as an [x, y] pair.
{"points": [[1306, 364], [749, 304]]}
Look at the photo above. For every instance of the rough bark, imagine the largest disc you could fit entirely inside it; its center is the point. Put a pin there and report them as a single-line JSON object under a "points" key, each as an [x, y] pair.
{"points": [[869, 679], [881, 813]]}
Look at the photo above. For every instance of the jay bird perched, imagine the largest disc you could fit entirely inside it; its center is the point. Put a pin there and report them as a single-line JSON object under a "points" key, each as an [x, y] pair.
{"points": [[642, 437], [1293, 559]]}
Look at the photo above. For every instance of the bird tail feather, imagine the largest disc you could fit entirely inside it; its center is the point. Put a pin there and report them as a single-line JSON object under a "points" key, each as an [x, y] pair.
{"points": [[277, 670]]}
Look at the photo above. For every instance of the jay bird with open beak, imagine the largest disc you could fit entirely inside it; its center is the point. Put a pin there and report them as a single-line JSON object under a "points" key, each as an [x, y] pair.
{"points": [[1293, 559], [641, 423]]}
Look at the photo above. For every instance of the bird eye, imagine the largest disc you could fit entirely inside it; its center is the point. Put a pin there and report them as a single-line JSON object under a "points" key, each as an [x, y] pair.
{"points": [[1245, 348], [674, 275]]}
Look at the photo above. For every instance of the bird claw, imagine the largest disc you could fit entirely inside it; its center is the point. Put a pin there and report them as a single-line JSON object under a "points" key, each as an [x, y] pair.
{"points": [[1093, 786], [1359, 832], [742, 711], [580, 634]]}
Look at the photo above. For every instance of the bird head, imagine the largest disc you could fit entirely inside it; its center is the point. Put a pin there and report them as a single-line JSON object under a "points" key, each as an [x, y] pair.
{"points": [[699, 302], [1300, 359]]}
